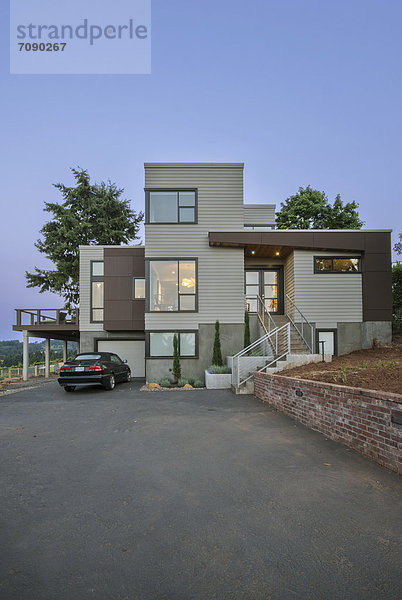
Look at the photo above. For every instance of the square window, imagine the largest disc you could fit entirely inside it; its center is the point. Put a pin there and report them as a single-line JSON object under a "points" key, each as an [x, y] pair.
{"points": [[97, 269], [187, 215], [163, 207], [161, 344], [187, 302]]}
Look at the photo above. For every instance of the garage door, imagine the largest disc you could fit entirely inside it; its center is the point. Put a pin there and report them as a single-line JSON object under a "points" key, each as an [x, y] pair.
{"points": [[133, 351]]}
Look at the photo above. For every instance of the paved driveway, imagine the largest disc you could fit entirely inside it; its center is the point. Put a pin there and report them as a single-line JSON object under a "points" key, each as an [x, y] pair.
{"points": [[186, 495]]}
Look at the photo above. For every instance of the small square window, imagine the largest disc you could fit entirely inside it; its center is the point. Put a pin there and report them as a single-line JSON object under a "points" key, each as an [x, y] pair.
{"points": [[97, 269]]}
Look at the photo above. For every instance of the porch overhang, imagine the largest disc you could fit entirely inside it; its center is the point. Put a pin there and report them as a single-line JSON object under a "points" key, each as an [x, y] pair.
{"points": [[325, 240], [373, 245]]}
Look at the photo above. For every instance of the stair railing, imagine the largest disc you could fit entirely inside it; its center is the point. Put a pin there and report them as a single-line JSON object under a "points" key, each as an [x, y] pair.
{"points": [[264, 316], [261, 354], [305, 323]]}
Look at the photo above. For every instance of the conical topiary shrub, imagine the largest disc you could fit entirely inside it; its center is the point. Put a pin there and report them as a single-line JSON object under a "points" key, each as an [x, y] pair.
{"points": [[217, 353], [247, 341], [176, 359]]}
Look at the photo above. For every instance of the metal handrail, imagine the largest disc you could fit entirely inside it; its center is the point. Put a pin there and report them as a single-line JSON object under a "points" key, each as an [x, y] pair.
{"points": [[261, 312], [48, 316], [273, 341], [304, 321]]}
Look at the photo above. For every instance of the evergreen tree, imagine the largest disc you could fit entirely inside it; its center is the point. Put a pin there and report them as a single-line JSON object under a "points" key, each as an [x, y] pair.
{"points": [[247, 341], [176, 359], [90, 214], [217, 353]]}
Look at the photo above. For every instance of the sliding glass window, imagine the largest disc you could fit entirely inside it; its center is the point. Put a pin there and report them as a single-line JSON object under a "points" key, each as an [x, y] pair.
{"points": [[161, 344]]}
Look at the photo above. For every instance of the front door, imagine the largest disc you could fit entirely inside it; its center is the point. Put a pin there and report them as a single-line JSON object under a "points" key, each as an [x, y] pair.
{"points": [[268, 284]]}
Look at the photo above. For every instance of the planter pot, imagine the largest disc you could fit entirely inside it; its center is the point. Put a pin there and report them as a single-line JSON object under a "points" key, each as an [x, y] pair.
{"points": [[218, 382]]}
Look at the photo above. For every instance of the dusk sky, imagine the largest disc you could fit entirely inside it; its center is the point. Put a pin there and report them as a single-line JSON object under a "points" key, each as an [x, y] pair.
{"points": [[304, 92]]}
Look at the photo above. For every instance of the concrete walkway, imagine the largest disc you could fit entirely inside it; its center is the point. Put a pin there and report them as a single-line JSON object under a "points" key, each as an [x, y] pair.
{"points": [[186, 495]]}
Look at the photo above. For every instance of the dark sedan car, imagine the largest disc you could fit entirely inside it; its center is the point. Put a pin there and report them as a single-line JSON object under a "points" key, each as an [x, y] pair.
{"points": [[94, 368]]}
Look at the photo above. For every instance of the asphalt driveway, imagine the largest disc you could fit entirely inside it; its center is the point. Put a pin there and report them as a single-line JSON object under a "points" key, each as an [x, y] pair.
{"points": [[186, 495]]}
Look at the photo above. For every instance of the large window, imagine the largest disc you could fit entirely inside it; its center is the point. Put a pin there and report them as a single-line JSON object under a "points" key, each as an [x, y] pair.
{"points": [[97, 288], [337, 264], [173, 285], [160, 344], [171, 206]]}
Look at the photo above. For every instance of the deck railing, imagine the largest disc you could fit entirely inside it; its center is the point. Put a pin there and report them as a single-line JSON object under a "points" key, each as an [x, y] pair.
{"points": [[46, 316]]}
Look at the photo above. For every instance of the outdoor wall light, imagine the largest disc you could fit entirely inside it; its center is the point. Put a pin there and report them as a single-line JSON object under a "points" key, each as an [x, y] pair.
{"points": [[276, 253]]}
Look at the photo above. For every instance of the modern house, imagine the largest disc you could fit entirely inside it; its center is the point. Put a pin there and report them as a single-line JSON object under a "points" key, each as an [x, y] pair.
{"points": [[207, 257]]}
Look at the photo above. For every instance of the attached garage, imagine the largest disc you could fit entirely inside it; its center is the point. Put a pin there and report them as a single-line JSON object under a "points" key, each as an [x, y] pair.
{"points": [[133, 351]]}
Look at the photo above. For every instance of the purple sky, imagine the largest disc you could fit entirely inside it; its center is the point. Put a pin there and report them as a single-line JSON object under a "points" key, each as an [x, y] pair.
{"points": [[304, 92]]}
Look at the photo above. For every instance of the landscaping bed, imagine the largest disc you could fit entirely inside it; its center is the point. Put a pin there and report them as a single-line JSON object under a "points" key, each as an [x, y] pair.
{"points": [[375, 369]]}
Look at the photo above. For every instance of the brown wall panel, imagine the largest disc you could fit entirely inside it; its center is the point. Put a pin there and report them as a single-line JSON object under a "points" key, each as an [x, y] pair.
{"points": [[122, 313]]}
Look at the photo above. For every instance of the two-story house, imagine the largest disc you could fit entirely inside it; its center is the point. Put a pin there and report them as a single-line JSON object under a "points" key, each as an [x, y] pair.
{"points": [[207, 257]]}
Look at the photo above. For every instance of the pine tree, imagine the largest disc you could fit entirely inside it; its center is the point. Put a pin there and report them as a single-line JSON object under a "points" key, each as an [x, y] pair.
{"points": [[176, 359], [217, 353], [90, 214], [247, 341]]}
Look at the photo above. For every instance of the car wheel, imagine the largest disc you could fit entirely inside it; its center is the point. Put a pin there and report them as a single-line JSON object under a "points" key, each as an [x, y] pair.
{"points": [[110, 383], [128, 376], [69, 388]]}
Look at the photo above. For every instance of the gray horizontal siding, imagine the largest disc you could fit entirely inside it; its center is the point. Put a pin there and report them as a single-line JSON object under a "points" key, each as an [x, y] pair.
{"points": [[87, 253], [259, 214], [220, 270], [326, 299]]}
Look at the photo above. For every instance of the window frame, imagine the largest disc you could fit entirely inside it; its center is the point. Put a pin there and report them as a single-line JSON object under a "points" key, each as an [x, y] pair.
{"points": [[178, 331], [95, 279], [177, 222], [332, 272], [145, 286], [148, 284]]}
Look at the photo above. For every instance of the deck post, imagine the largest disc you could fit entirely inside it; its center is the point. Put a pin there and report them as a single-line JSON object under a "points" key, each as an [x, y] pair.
{"points": [[65, 351], [25, 354], [47, 358]]}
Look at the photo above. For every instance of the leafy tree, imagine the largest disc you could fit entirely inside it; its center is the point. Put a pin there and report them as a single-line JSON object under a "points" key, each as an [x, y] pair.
{"points": [[247, 338], [176, 359], [310, 209], [217, 353], [397, 295], [90, 214], [398, 245]]}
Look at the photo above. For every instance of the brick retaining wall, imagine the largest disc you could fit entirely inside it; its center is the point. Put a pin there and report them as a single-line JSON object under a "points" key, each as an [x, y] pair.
{"points": [[359, 418]]}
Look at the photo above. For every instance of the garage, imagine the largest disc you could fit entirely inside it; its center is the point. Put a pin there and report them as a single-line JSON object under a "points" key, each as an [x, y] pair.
{"points": [[133, 351]]}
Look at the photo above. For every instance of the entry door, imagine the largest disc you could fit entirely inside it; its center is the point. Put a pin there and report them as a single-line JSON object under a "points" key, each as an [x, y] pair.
{"points": [[266, 283]]}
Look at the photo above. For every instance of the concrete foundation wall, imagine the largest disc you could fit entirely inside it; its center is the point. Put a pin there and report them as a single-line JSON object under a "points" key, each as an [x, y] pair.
{"points": [[376, 333], [231, 335]]}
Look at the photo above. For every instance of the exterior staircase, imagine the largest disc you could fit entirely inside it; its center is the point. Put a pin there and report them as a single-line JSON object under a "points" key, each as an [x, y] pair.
{"points": [[286, 340]]}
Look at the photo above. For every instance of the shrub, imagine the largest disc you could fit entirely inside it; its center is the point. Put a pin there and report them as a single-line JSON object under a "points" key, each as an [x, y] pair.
{"points": [[219, 369], [176, 360], [182, 382], [164, 382], [191, 380], [217, 353], [247, 341], [198, 383]]}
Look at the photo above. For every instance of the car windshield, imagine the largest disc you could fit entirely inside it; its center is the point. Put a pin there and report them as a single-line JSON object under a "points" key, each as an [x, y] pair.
{"points": [[87, 357]]}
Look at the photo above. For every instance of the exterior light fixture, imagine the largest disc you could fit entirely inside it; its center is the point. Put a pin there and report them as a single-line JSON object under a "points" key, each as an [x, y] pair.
{"points": [[252, 251], [276, 253]]}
